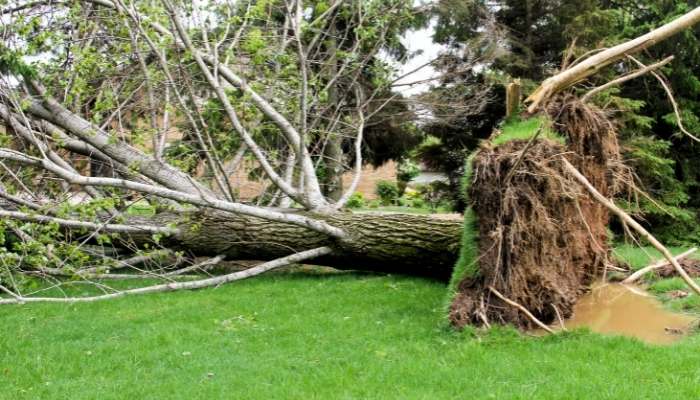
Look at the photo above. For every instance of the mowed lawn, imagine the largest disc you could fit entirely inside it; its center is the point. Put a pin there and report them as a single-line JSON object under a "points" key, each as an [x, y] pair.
{"points": [[311, 336]]}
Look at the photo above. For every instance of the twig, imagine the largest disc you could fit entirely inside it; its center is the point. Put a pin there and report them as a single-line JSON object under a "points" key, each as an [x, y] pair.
{"points": [[75, 224], [521, 308], [204, 264], [662, 263]]}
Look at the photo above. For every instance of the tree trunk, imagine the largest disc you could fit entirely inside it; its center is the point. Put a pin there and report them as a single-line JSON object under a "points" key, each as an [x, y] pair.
{"points": [[333, 151], [395, 243], [333, 155]]}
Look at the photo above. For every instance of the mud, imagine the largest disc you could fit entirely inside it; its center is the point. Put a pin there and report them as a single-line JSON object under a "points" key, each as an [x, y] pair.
{"points": [[619, 309]]}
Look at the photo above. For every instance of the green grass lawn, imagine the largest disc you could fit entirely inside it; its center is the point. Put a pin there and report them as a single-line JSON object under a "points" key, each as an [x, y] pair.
{"points": [[310, 336]]}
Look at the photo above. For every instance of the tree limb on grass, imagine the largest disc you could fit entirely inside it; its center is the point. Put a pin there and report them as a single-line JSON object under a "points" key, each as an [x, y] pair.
{"points": [[173, 286], [659, 264]]}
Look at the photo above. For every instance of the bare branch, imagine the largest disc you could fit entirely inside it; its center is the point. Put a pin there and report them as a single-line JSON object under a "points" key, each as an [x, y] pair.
{"points": [[521, 308], [672, 99], [169, 287], [593, 64], [626, 78], [639, 273], [199, 200]]}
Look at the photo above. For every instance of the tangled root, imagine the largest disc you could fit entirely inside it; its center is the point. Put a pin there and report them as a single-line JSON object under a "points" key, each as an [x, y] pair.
{"points": [[542, 240]]}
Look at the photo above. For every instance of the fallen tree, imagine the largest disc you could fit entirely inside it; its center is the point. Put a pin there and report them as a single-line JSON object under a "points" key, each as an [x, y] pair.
{"points": [[172, 63], [541, 236], [396, 243]]}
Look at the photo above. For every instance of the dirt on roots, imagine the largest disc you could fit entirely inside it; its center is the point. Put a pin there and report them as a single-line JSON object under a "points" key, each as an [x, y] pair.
{"points": [[542, 239]]}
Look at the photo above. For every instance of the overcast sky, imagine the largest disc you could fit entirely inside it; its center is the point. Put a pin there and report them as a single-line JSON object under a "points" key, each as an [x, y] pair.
{"points": [[419, 40]]}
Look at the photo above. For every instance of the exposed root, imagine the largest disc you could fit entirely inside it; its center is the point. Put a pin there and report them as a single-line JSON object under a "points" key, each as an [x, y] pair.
{"points": [[535, 248], [542, 238]]}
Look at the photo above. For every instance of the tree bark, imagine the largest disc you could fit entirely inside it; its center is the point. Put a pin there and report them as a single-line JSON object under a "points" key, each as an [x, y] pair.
{"points": [[333, 155], [395, 243]]}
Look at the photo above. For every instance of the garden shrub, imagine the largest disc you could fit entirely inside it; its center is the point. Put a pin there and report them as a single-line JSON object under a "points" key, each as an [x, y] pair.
{"points": [[356, 200], [388, 192]]}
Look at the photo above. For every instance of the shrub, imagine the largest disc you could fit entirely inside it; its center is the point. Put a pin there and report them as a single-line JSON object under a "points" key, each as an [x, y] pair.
{"points": [[357, 200], [436, 193], [411, 194], [387, 191], [407, 170], [418, 203]]}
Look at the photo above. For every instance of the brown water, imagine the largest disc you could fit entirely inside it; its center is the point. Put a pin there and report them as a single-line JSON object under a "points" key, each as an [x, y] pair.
{"points": [[627, 310]]}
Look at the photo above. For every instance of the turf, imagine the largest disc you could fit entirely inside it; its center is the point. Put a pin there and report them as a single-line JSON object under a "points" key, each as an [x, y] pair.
{"points": [[524, 129], [303, 336]]}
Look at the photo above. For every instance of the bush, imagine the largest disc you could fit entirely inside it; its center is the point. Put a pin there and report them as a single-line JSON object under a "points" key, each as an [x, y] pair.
{"points": [[373, 204], [357, 200], [436, 194], [407, 170], [418, 203], [388, 192], [411, 193]]}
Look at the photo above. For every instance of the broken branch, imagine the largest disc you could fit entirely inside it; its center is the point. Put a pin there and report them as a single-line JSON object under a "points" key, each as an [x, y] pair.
{"points": [[662, 263], [189, 285], [625, 78], [521, 308]]}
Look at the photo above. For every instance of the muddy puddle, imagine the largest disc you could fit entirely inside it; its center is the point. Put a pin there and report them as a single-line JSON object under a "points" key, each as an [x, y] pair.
{"points": [[618, 309]]}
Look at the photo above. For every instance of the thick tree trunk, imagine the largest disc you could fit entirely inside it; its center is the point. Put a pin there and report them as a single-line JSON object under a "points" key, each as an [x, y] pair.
{"points": [[395, 243]]}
